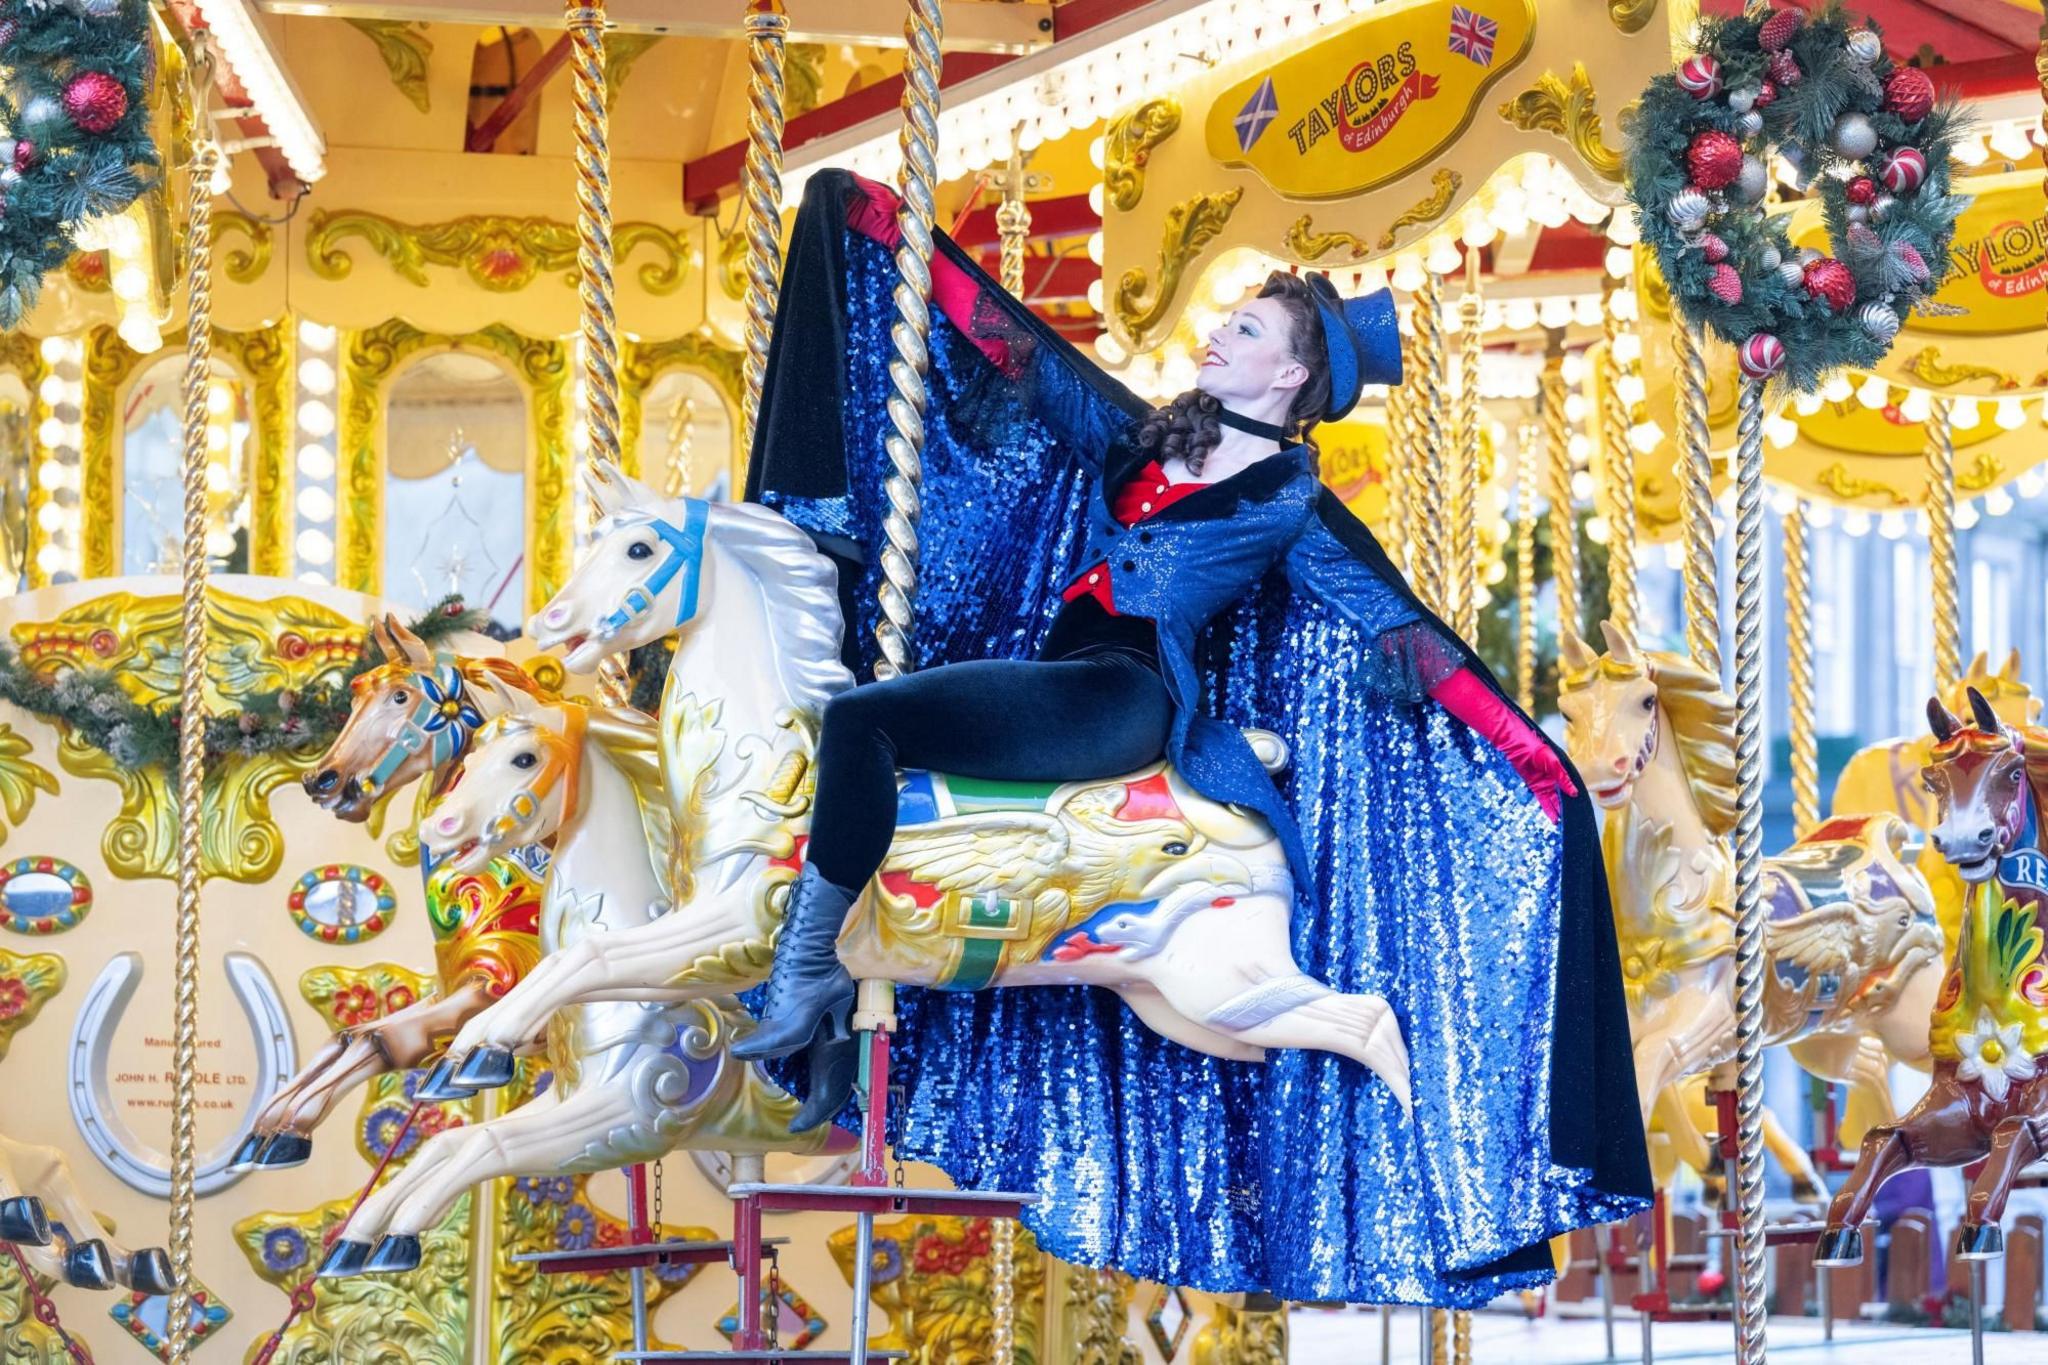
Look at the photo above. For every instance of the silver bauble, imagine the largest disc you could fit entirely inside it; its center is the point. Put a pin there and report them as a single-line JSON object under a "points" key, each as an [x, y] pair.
{"points": [[1792, 273], [1743, 100], [1881, 208], [1806, 254], [1769, 258], [1752, 182], [1751, 123], [1853, 136], [1865, 47], [1859, 213], [1878, 322], [1688, 210]]}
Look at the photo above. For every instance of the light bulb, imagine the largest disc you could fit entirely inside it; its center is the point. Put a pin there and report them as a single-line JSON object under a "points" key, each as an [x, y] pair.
{"points": [[1891, 526], [2010, 415], [1873, 392], [316, 503], [1836, 388], [1856, 522], [316, 419], [315, 546], [1967, 514], [316, 461], [1963, 415], [1918, 407], [316, 376]]}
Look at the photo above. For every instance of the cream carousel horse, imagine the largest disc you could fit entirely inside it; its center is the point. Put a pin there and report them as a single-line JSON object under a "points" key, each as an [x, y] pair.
{"points": [[635, 1075], [410, 717], [1178, 904], [1887, 775], [35, 1183], [1853, 955]]}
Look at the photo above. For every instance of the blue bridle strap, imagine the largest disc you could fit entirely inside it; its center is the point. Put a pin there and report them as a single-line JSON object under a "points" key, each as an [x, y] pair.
{"points": [[439, 724], [685, 556]]}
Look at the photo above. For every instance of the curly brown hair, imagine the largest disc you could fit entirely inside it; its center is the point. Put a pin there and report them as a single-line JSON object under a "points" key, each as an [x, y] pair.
{"points": [[1188, 426]]}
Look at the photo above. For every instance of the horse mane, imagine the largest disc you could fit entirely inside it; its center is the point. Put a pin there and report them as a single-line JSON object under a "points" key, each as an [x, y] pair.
{"points": [[804, 587], [1703, 726], [474, 669]]}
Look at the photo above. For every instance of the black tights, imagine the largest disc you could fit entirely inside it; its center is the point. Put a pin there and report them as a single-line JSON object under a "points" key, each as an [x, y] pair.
{"points": [[1021, 720]]}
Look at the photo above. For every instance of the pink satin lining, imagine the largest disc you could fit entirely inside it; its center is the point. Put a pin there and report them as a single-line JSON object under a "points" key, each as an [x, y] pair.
{"points": [[873, 216]]}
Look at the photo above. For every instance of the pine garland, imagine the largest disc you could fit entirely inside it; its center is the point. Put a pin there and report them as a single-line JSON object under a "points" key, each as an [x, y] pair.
{"points": [[76, 139], [1810, 89], [92, 704]]}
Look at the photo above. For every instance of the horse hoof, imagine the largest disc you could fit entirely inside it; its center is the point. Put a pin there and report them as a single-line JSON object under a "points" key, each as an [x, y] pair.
{"points": [[245, 1155], [487, 1068], [284, 1150], [89, 1266], [344, 1258], [149, 1272], [1839, 1246], [439, 1086], [395, 1253], [1980, 1242], [24, 1222]]}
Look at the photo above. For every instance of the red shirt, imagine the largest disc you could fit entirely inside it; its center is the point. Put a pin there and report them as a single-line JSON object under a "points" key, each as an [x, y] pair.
{"points": [[1144, 495]]}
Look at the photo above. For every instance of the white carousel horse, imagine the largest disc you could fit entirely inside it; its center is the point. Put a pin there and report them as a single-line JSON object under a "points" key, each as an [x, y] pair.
{"points": [[42, 1213], [634, 1076], [1139, 884], [1853, 955]]}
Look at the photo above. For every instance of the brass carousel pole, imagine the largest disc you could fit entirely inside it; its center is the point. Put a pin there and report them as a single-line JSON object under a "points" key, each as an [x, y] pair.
{"points": [[767, 26], [1623, 602], [1400, 462], [1525, 568], [191, 735], [1428, 423], [1750, 1338], [1941, 547], [1799, 680], [1696, 504], [1564, 544], [1013, 219], [1464, 573]]}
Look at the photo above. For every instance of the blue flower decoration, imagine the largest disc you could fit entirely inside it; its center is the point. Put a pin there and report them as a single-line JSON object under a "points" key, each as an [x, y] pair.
{"points": [[577, 1230], [283, 1249], [546, 1189], [888, 1259], [380, 1128], [447, 703]]}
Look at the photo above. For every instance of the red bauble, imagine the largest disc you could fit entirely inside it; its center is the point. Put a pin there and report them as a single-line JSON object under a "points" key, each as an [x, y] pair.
{"points": [[95, 101], [1909, 93], [24, 154], [1713, 160], [1862, 190], [1765, 93], [1713, 247], [9, 29], [1724, 284], [1828, 280], [1777, 30], [1784, 68]]}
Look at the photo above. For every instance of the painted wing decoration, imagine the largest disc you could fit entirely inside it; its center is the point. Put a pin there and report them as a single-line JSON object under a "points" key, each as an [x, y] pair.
{"points": [[1012, 853], [1830, 939]]}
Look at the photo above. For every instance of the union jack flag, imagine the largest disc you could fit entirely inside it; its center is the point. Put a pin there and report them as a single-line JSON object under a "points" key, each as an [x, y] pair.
{"points": [[1473, 35]]}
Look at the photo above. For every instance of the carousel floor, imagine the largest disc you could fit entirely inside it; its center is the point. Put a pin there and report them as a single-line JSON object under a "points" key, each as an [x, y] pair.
{"points": [[1353, 1338]]}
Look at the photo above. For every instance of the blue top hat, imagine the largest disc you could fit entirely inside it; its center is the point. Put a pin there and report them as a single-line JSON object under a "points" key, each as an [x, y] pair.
{"points": [[1363, 339]]}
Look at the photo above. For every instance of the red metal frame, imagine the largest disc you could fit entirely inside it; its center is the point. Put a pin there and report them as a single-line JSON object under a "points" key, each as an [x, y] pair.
{"points": [[506, 111]]}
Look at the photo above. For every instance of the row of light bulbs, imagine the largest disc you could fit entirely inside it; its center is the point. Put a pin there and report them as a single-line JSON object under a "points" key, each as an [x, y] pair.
{"points": [[315, 461], [61, 434]]}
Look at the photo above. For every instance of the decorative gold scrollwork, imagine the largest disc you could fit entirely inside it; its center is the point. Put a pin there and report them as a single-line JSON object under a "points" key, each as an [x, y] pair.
{"points": [[1553, 105], [21, 777], [1190, 225], [1631, 16], [1837, 479], [941, 1306], [499, 253], [732, 264], [405, 48], [621, 52], [1128, 144], [1986, 470], [1927, 366], [243, 264], [1304, 241], [1443, 187], [641, 362]]}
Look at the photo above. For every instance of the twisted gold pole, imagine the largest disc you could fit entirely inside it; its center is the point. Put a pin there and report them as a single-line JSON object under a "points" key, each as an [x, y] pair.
{"points": [[1564, 541], [191, 740], [1002, 1341], [1439, 1335], [1463, 586], [1749, 921], [1799, 683], [1461, 1338], [767, 26], [1941, 547], [1623, 603], [1525, 569], [1696, 504], [1013, 219], [910, 336], [1401, 463], [1432, 427]]}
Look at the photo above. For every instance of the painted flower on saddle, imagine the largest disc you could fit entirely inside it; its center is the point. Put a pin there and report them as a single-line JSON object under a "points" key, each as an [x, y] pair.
{"points": [[381, 1129], [356, 1004], [434, 1118], [13, 997], [577, 1229], [546, 1189], [1993, 1057], [398, 998], [283, 1249]]}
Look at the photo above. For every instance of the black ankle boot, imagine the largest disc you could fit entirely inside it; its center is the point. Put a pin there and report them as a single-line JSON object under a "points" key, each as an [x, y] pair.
{"points": [[807, 988]]}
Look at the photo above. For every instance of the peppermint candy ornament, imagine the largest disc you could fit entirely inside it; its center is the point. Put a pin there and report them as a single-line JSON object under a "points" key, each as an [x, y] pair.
{"points": [[1700, 77], [1904, 168], [1761, 356]]}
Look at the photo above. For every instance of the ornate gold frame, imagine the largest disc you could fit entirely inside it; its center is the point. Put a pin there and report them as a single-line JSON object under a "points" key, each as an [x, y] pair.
{"points": [[643, 362], [23, 354], [370, 359]]}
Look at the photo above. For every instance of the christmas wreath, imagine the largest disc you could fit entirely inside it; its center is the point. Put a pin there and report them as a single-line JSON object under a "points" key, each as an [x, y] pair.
{"points": [[1870, 137], [74, 134]]}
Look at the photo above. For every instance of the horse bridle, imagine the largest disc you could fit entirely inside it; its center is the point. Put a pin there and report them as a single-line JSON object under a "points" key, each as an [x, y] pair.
{"points": [[561, 765], [440, 724], [685, 556]]}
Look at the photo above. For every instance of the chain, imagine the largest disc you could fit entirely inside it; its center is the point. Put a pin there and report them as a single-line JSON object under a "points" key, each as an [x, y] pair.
{"points": [[1564, 543], [654, 1188], [767, 27], [773, 1306], [1003, 1332], [1941, 547], [44, 1308]]}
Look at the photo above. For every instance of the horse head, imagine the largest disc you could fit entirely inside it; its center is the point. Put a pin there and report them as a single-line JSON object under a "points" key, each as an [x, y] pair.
{"points": [[1978, 778], [410, 715], [1612, 715], [518, 784], [2010, 697], [639, 578]]}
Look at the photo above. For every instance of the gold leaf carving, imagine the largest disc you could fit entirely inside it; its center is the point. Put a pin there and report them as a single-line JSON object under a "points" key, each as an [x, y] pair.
{"points": [[1232, 1336], [1631, 16], [1310, 245], [943, 1314], [1553, 105], [242, 264], [405, 48], [1927, 366], [1190, 225], [1094, 1310], [642, 362], [621, 51], [498, 252], [1985, 471], [1127, 145], [21, 777], [1837, 479], [732, 264], [803, 78], [1443, 187], [27, 982]]}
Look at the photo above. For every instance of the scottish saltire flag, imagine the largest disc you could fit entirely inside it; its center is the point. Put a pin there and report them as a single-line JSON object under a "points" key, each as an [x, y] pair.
{"points": [[1258, 111], [1473, 35]]}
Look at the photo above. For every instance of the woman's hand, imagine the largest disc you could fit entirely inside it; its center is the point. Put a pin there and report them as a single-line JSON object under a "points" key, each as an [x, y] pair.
{"points": [[1522, 744]]}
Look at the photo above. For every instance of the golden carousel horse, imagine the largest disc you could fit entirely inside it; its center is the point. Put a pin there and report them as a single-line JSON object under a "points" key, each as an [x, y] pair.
{"points": [[1852, 951]]}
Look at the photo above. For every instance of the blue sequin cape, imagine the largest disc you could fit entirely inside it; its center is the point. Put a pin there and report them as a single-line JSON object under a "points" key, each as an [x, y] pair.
{"points": [[1438, 883]]}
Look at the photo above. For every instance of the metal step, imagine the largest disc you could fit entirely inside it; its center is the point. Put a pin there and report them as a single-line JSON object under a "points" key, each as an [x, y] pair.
{"points": [[599, 1260], [883, 1199]]}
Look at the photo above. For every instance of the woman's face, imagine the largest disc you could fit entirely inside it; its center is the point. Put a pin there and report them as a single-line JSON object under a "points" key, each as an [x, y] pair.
{"points": [[1250, 356]]}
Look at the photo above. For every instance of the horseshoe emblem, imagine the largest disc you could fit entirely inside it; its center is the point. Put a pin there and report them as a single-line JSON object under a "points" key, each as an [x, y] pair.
{"points": [[139, 1165]]}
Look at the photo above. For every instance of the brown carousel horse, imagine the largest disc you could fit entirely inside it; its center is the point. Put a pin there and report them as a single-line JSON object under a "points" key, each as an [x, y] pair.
{"points": [[1989, 1033], [410, 717]]}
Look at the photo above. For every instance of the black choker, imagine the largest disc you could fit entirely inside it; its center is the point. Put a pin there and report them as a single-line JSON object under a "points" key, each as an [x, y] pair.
{"points": [[1246, 424]]}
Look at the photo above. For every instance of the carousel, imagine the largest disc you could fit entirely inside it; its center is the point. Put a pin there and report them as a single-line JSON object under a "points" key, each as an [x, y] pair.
{"points": [[1448, 595]]}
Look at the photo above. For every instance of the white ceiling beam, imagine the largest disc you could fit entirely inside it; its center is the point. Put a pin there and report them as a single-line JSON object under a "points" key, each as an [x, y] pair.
{"points": [[971, 25]]}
